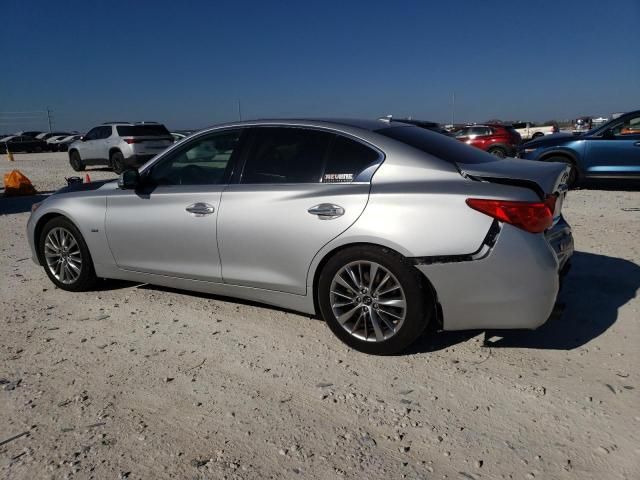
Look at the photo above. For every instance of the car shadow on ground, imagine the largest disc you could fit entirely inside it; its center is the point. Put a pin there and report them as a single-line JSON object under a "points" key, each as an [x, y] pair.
{"points": [[593, 291], [12, 205], [622, 185]]}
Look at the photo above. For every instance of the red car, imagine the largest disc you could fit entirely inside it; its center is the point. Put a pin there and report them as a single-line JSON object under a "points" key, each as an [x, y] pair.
{"points": [[499, 140]]}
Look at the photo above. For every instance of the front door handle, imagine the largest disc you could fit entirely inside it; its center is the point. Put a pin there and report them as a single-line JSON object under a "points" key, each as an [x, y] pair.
{"points": [[637, 144], [200, 209], [327, 211]]}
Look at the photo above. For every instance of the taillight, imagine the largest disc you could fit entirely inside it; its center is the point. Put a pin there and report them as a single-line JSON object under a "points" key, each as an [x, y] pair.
{"points": [[534, 217]]}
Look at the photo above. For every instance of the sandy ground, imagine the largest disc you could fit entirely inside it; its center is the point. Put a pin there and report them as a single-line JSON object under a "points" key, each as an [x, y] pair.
{"points": [[135, 381]]}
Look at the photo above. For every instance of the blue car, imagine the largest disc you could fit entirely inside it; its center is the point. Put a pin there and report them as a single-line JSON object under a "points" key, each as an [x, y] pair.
{"points": [[609, 151]]}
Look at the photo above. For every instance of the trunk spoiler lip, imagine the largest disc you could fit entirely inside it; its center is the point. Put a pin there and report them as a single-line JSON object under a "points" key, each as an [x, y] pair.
{"points": [[545, 178]]}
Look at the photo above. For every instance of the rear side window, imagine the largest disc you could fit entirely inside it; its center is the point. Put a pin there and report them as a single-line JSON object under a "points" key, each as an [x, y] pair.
{"points": [[445, 148], [286, 155], [347, 159], [142, 131]]}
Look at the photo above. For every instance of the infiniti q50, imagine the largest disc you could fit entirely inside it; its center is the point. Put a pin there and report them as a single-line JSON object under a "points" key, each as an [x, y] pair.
{"points": [[378, 227]]}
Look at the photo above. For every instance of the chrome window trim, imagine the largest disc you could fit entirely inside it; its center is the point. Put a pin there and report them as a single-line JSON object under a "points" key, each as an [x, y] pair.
{"points": [[363, 177]]}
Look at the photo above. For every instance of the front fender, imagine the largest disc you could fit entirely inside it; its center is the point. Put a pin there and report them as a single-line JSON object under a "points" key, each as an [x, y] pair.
{"points": [[86, 212]]}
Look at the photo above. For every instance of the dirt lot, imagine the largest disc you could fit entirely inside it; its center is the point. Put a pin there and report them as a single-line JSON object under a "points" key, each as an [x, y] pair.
{"points": [[135, 381]]}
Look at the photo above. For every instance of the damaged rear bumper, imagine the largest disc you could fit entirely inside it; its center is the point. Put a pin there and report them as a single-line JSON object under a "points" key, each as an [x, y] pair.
{"points": [[514, 285]]}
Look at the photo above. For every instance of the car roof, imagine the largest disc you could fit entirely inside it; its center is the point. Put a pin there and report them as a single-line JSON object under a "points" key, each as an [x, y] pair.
{"points": [[357, 123]]}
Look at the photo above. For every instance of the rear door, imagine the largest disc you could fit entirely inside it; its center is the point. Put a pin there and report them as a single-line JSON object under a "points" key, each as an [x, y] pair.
{"points": [[298, 189], [169, 228]]}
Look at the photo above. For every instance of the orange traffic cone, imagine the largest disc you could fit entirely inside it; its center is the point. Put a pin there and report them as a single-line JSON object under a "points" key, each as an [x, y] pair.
{"points": [[87, 179]]}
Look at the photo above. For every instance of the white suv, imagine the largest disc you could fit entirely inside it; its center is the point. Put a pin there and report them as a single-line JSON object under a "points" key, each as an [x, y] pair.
{"points": [[119, 145]]}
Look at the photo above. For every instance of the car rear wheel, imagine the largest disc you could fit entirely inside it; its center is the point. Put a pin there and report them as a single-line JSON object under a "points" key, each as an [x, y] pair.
{"points": [[498, 152], [373, 300], [537, 135], [117, 162], [572, 181], [76, 162], [65, 256]]}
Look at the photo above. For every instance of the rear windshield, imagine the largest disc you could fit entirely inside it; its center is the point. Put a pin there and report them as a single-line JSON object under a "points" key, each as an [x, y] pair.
{"points": [[440, 146], [143, 131]]}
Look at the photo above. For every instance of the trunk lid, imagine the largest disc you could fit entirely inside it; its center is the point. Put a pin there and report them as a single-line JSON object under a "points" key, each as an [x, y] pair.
{"points": [[547, 178]]}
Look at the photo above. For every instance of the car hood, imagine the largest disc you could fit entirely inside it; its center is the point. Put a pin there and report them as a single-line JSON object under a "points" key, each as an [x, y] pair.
{"points": [[550, 140], [83, 187]]}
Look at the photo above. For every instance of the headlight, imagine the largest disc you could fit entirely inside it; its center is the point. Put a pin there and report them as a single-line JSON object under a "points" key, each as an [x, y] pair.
{"points": [[35, 206]]}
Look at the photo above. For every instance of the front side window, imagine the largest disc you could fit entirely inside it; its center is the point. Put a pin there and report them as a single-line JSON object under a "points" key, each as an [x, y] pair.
{"points": [[630, 126], [92, 134], [286, 155], [204, 161]]}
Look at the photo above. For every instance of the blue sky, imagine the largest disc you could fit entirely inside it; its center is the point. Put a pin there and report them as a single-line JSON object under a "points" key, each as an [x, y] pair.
{"points": [[187, 63]]}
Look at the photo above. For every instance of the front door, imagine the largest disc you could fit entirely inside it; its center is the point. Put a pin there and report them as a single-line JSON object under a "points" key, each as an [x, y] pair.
{"points": [[616, 153], [169, 226], [296, 193]]}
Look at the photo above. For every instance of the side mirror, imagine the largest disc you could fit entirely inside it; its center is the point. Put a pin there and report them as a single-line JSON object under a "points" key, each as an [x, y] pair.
{"points": [[129, 180]]}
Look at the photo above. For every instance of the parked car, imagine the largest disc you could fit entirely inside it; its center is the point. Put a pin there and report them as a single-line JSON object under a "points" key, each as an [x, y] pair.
{"points": [[52, 142], [181, 135], [378, 227], [31, 133], [499, 140], [22, 143], [610, 151], [47, 135], [119, 145], [433, 126], [583, 124], [528, 130], [63, 145]]}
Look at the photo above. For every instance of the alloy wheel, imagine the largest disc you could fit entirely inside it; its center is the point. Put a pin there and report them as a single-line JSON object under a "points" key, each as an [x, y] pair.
{"points": [[368, 301], [63, 256]]}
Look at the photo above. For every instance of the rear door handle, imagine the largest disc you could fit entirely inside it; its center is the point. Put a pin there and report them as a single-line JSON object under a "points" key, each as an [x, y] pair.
{"points": [[200, 209], [327, 211], [637, 144]]}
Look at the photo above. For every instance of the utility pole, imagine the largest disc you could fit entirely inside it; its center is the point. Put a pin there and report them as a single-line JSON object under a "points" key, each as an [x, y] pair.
{"points": [[239, 111], [49, 118], [453, 108]]}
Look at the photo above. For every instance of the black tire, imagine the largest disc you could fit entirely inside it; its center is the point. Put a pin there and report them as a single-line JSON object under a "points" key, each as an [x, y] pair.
{"points": [[117, 162], [574, 175], [86, 280], [38, 149], [418, 298], [75, 161], [497, 152], [537, 135]]}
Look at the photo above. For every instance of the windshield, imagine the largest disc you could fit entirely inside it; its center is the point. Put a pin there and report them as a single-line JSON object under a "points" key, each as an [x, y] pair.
{"points": [[445, 148]]}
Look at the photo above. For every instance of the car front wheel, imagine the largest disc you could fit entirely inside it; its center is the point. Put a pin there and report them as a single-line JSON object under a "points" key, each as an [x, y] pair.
{"points": [[374, 300], [65, 256]]}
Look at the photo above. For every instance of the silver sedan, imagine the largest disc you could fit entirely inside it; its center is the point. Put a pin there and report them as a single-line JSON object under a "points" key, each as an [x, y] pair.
{"points": [[378, 227]]}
